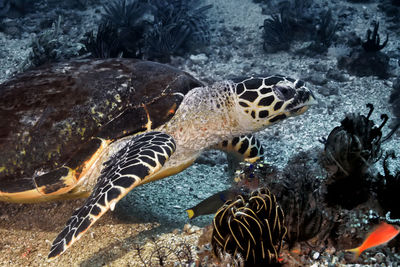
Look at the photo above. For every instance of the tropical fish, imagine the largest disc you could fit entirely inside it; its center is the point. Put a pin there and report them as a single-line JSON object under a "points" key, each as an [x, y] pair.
{"points": [[213, 203], [380, 235]]}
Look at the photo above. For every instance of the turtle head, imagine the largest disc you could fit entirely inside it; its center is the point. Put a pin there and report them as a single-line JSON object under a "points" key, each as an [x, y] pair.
{"points": [[263, 101]]}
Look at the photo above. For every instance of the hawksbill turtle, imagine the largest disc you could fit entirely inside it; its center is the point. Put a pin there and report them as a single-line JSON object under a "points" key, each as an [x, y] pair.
{"points": [[99, 128]]}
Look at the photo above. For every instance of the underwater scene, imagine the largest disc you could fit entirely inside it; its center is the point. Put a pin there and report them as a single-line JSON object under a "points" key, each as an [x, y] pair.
{"points": [[200, 133]]}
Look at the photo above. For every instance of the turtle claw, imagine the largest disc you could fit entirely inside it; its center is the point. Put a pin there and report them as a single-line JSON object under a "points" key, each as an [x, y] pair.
{"points": [[142, 157]]}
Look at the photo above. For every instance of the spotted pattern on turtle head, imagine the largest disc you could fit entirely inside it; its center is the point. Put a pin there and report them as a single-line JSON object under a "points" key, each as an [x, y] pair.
{"points": [[272, 98]]}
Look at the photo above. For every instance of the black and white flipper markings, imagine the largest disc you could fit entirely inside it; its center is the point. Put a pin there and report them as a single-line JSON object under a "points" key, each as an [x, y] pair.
{"points": [[143, 156]]}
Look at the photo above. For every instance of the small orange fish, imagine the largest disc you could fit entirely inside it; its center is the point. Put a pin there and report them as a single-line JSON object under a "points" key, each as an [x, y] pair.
{"points": [[381, 235]]}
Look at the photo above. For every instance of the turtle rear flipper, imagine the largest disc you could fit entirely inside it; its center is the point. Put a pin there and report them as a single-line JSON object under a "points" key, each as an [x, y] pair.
{"points": [[51, 185], [143, 156]]}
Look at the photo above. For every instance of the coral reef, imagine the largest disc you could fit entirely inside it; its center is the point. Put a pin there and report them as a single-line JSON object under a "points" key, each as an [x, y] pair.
{"points": [[295, 21], [178, 26], [373, 43], [350, 150], [298, 191], [163, 255], [251, 226], [368, 61], [105, 44], [149, 29], [51, 46], [356, 144], [277, 33]]}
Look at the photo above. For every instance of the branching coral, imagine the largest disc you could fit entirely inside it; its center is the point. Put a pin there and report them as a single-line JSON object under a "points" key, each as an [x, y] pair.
{"points": [[251, 226], [367, 60], [373, 43]]}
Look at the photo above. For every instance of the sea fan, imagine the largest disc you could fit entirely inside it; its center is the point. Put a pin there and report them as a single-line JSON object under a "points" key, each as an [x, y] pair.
{"points": [[250, 227]]}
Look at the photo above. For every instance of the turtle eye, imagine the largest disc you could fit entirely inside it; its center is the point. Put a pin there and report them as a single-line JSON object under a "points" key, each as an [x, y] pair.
{"points": [[284, 92]]}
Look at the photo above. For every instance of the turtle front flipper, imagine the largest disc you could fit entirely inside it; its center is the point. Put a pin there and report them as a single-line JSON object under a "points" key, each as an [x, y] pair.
{"points": [[241, 148], [245, 147], [143, 156]]}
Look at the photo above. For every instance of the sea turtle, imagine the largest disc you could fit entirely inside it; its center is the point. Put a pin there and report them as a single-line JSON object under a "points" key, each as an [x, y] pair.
{"points": [[99, 128]]}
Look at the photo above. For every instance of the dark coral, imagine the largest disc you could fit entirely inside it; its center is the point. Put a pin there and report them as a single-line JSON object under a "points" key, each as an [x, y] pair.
{"points": [[126, 20], [179, 26], [373, 42], [153, 29], [350, 150], [368, 60], [124, 13], [295, 21], [105, 44], [290, 22], [356, 144], [388, 189], [298, 191], [325, 32], [277, 33], [361, 63], [250, 227], [348, 192]]}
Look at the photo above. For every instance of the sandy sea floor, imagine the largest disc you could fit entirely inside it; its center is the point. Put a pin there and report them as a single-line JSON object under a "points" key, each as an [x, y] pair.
{"points": [[157, 209]]}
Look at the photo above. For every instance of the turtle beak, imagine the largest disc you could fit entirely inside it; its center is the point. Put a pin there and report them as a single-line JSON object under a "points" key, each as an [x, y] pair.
{"points": [[302, 100]]}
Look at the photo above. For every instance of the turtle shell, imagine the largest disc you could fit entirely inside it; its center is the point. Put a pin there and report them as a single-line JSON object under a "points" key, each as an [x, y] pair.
{"points": [[49, 113]]}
